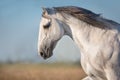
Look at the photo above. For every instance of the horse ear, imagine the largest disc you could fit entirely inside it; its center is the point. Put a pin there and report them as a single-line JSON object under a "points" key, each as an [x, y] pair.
{"points": [[45, 13], [44, 10]]}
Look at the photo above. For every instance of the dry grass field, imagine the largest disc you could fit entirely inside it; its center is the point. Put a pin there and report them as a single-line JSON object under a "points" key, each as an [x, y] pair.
{"points": [[41, 72]]}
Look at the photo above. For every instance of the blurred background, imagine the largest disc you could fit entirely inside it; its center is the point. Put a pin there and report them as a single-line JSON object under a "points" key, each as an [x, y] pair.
{"points": [[19, 27]]}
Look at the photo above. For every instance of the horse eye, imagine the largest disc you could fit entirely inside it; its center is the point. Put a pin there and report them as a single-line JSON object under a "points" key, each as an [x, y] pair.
{"points": [[47, 25]]}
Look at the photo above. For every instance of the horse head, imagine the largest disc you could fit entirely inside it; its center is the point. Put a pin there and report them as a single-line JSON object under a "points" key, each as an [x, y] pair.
{"points": [[50, 32]]}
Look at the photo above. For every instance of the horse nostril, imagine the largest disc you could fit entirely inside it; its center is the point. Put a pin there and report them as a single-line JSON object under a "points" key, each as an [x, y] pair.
{"points": [[41, 53]]}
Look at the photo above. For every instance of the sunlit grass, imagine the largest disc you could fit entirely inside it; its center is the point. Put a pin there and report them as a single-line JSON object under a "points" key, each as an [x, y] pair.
{"points": [[56, 71]]}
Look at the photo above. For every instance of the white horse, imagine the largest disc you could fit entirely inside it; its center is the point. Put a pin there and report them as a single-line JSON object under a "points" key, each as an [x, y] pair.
{"points": [[98, 39]]}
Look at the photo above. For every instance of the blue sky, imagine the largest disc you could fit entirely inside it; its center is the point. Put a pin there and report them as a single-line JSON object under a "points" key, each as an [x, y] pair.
{"points": [[19, 26]]}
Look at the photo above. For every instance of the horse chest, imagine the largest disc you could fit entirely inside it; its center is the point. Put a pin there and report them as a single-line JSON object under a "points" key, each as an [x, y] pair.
{"points": [[92, 69]]}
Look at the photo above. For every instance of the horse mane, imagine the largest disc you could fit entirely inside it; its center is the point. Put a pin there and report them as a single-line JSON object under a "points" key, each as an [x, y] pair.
{"points": [[86, 16]]}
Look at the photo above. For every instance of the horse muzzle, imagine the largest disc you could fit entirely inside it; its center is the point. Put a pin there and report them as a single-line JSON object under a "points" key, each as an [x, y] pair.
{"points": [[46, 51], [46, 54]]}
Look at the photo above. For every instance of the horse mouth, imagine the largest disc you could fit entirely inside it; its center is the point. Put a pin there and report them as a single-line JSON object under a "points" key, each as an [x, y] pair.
{"points": [[46, 55]]}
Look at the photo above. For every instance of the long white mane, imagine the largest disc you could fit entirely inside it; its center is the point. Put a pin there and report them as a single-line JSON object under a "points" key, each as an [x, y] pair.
{"points": [[87, 16]]}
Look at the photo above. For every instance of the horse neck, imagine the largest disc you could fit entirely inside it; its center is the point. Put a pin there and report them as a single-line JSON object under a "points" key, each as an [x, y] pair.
{"points": [[82, 33], [89, 38]]}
